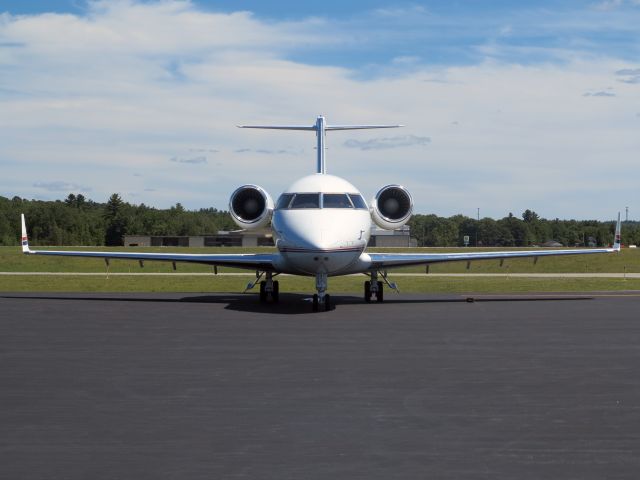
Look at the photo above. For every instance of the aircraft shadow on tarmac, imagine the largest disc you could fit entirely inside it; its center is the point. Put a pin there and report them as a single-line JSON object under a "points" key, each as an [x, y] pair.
{"points": [[292, 303]]}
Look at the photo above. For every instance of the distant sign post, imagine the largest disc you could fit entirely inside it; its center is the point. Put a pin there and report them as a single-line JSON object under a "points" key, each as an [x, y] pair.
{"points": [[465, 239]]}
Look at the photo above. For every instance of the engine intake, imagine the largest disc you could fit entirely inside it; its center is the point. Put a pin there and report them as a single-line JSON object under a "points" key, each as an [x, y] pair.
{"points": [[392, 207], [251, 207]]}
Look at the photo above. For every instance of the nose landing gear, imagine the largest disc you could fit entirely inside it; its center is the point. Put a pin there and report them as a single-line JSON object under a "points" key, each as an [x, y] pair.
{"points": [[321, 298]]}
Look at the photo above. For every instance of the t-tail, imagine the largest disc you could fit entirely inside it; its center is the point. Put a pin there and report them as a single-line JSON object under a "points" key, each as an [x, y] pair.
{"points": [[320, 128]]}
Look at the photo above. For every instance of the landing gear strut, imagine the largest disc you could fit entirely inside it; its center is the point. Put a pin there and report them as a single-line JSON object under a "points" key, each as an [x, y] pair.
{"points": [[376, 287], [269, 288], [321, 298]]}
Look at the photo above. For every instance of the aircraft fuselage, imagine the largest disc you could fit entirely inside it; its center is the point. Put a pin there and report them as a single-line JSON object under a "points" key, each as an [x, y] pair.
{"points": [[320, 226]]}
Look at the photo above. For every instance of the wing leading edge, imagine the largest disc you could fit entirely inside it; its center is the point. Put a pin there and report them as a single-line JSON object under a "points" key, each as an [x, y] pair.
{"points": [[258, 261], [382, 261]]}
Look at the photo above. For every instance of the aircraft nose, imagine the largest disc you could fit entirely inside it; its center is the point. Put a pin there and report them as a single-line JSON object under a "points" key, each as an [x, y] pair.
{"points": [[312, 235], [316, 238], [320, 231]]}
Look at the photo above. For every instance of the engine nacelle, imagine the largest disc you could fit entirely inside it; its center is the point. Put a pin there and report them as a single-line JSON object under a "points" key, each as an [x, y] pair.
{"points": [[251, 207], [392, 207]]}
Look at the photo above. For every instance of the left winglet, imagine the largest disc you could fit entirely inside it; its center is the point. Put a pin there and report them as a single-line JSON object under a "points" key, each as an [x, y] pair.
{"points": [[616, 239], [24, 238]]}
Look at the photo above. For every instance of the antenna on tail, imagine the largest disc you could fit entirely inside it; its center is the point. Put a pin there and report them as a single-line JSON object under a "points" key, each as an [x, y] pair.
{"points": [[320, 128]]}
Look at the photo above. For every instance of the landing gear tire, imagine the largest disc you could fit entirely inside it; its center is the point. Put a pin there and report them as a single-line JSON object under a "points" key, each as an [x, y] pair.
{"points": [[263, 292], [275, 295], [367, 291], [380, 294], [315, 302], [327, 302]]}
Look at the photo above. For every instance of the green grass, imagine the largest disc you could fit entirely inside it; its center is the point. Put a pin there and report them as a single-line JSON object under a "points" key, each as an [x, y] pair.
{"points": [[424, 284]]}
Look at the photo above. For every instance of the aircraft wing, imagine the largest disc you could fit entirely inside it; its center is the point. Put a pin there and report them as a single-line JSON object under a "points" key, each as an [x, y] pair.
{"points": [[257, 261], [383, 261]]}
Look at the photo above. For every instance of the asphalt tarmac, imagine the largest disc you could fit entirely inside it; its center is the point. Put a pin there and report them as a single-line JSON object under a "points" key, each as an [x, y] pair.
{"points": [[215, 386]]}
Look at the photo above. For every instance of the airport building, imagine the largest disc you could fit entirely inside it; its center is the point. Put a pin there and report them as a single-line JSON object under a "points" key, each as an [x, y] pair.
{"points": [[379, 238], [392, 238]]}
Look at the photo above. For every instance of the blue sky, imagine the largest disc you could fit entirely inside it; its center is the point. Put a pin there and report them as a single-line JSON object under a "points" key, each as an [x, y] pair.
{"points": [[508, 105]]}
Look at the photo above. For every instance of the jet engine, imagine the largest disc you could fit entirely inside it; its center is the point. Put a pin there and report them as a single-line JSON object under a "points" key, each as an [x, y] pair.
{"points": [[251, 207], [392, 207]]}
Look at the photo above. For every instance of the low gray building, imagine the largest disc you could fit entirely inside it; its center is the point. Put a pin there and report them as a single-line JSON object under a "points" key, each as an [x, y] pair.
{"points": [[392, 238], [219, 239]]}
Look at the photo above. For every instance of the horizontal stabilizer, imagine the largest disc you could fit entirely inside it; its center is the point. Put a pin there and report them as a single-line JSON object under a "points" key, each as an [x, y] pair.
{"points": [[320, 128], [314, 128], [359, 127], [280, 127]]}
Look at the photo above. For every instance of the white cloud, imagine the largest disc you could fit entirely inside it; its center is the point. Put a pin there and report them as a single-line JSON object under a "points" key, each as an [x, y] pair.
{"points": [[401, 12], [600, 93], [95, 99], [192, 160], [60, 186], [629, 75], [385, 143], [608, 5]]}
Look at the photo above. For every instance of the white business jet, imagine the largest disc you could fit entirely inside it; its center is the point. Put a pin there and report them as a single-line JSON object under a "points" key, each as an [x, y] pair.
{"points": [[321, 226]]}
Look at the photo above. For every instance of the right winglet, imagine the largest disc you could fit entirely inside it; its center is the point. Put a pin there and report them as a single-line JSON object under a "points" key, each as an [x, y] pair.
{"points": [[24, 238], [616, 239]]}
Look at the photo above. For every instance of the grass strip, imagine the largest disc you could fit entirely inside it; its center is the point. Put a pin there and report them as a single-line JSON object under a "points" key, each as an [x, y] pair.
{"points": [[293, 284]]}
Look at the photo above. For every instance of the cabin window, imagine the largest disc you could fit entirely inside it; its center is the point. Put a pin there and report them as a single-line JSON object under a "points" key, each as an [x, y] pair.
{"points": [[358, 201], [336, 200], [306, 200]]}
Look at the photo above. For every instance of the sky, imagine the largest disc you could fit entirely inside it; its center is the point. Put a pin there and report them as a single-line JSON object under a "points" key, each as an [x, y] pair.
{"points": [[508, 105]]}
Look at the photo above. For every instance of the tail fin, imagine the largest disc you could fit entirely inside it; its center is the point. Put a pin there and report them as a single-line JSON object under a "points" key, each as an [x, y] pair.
{"points": [[616, 238], [24, 238], [320, 128]]}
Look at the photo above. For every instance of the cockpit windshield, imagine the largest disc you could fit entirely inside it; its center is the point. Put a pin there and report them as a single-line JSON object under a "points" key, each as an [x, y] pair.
{"points": [[284, 201], [288, 201], [306, 200], [358, 201], [336, 200]]}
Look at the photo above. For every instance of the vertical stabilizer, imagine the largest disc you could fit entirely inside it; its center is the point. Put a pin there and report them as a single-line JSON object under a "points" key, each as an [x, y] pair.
{"points": [[24, 239], [320, 135]]}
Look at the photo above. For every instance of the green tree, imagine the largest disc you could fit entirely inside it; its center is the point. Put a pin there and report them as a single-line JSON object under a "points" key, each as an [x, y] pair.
{"points": [[116, 221]]}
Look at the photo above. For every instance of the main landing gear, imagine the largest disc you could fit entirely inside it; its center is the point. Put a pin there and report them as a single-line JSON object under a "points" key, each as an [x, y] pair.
{"points": [[377, 290], [375, 287], [269, 288]]}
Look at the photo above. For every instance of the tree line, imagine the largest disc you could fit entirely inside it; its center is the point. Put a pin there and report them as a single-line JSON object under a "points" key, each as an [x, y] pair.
{"points": [[81, 221], [511, 231]]}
